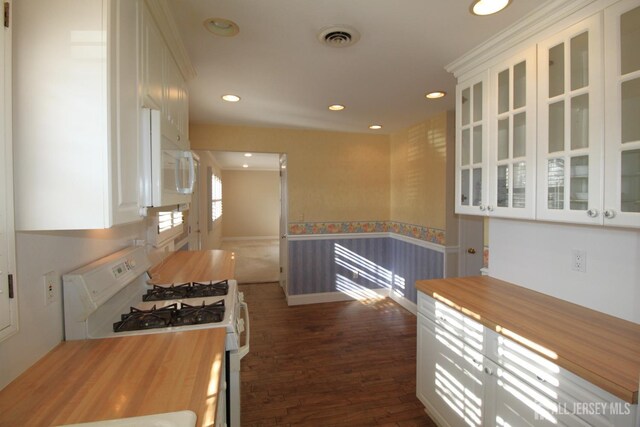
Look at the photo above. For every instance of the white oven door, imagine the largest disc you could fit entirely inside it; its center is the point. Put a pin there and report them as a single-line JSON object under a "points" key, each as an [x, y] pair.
{"points": [[243, 327]]}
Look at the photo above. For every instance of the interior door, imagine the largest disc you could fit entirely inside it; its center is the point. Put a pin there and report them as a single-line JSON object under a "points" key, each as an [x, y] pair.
{"points": [[284, 222], [471, 257]]}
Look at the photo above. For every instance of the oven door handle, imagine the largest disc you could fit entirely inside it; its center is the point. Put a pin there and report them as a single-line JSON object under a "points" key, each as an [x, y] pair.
{"points": [[242, 351]]}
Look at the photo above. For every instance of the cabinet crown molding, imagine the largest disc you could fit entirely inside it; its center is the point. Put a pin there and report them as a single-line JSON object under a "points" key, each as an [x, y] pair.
{"points": [[161, 12], [537, 21]]}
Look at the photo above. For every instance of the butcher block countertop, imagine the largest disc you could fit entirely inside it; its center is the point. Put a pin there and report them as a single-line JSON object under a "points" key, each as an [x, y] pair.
{"points": [[194, 266], [100, 379], [602, 349]]}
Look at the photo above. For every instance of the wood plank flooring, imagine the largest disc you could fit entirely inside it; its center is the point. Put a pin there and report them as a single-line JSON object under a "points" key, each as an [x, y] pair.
{"points": [[333, 364]]}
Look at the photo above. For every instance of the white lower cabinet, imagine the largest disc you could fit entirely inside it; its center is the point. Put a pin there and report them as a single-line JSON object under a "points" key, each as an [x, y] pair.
{"points": [[470, 375]]}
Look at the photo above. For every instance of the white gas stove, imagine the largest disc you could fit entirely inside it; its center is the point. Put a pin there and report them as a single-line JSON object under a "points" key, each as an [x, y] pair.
{"points": [[110, 298]]}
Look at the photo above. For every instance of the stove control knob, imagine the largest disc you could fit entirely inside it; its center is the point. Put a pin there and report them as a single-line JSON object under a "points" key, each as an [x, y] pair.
{"points": [[132, 263], [240, 297]]}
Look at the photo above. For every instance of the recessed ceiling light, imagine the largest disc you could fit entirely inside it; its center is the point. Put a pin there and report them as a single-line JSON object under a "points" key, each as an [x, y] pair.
{"points": [[245, 165], [488, 7], [283, 167], [436, 94], [221, 27], [336, 107], [375, 127], [248, 154], [231, 98]]}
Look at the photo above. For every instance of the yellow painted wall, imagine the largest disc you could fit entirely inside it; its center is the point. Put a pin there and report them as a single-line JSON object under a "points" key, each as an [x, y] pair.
{"points": [[332, 176], [250, 203], [419, 172]]}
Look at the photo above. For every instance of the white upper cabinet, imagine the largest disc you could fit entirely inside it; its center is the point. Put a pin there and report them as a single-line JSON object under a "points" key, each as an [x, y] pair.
{"points": [[570, 124], [76, 113], [512, 137], [558, 138], [152, 60], [471, 145], [622, 114]]}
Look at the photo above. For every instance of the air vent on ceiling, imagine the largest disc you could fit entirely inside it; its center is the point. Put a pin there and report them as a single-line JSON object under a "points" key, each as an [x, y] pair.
{"points": [[339, 36]]}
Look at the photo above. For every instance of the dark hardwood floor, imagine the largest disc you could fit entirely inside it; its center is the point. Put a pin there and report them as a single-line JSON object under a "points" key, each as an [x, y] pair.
{"points": [[333, 364]]}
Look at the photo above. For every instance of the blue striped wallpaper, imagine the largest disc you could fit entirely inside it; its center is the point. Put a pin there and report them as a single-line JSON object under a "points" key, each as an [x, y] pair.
{"points": [[328, 265]]}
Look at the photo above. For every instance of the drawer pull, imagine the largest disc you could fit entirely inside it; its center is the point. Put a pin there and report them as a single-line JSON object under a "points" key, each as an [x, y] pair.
{"points": [[488, 370], [541, 379]]}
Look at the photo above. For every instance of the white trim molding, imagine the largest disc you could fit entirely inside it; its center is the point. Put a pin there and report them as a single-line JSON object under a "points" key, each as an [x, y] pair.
{"points": [[228, 239], [528, 28], [338, 236]]}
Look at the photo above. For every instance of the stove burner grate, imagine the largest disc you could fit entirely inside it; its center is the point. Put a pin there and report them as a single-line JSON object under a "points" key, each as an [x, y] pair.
{"points": [[177, 314], [186, 290]]}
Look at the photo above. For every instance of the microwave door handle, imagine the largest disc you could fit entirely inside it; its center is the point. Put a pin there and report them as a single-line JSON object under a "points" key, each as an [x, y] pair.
{"points": [[192, 174]]}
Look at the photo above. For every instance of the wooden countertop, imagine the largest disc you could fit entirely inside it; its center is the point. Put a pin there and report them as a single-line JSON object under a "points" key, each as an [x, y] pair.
{"points": [[602, 349], [194, 266], [92, 380]]}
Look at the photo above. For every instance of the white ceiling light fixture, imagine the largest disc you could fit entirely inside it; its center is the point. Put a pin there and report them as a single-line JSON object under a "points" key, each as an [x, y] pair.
{"points": [[488, 7], [231, 98], [339, 36], [375, 127], [336, 107], [436, 95], [221, 27], [248, 154], [245, 165]]}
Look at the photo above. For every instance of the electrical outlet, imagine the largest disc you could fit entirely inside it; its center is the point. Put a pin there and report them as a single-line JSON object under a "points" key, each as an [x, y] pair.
{"points": [[579, 261], [355, 274], [51, 287]]}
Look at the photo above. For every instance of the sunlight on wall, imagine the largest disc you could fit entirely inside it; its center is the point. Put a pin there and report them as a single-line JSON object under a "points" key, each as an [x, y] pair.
{"points": [[362, 267]]}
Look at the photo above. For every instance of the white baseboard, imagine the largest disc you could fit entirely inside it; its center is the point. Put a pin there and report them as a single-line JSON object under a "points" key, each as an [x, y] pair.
{"points": [[409, 305], [322, 297]]}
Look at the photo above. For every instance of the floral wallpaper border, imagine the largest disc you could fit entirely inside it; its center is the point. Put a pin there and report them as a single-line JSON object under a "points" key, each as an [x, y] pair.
{"points": [[427, 234]]}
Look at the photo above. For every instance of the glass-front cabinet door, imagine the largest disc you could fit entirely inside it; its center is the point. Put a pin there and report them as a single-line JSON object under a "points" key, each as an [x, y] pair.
{"points": [[570, 125], [471, 146], [512, 137], [622, 114]]}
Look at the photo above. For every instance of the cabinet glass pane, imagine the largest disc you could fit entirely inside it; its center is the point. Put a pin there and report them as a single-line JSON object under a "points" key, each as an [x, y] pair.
{"points": [[579, 183], [580, 61], [556, 127], [466, 147], [477, 102], [477, 144], [503, 91], [503, 139], [519, 184], [631, 110], [630, 40], [503, 186], [520, 85], [555, 178], [465, 102], [556, 70], [580, 122], [464, 187], [477, 187], [630, 191], [519, 135]]}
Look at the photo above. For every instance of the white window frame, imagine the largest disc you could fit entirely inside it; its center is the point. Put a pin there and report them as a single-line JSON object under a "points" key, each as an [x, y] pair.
{"points": [[216, 197]]}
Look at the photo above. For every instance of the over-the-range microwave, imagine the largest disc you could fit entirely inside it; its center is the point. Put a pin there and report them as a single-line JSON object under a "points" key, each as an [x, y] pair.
{"points": [[168, 172]]}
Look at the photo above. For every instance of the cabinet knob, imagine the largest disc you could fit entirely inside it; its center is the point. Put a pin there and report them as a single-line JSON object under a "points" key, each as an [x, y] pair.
{"points": [[609, 213], [482, 208], [490, 208], [592, 213], [471, 251], [488, 370], [178, 138]]}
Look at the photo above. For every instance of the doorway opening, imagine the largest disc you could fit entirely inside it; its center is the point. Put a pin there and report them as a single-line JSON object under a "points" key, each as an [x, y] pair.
{"points": [[247, 219]]}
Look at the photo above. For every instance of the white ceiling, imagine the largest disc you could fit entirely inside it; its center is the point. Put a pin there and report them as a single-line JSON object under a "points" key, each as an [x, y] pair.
{"points": [[287, 78]]}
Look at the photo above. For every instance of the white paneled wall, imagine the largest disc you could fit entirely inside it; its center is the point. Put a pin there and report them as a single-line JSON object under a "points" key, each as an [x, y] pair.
{"points": [[538, 256]]}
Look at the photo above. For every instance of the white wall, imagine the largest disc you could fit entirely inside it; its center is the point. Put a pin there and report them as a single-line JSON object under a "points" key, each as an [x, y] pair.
{"points": [[538, 256]]}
